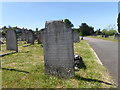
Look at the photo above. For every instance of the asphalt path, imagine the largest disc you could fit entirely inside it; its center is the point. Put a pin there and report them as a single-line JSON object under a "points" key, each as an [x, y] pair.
{"points": [[107, 52]]}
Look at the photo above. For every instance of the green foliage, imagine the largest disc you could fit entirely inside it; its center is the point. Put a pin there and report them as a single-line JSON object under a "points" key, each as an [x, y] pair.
{"points": [[104, 32], [118, 21], [68, 23], [76, 29], [108, 32], [112, 32], [98, 32], [86, 30], [110, 38]]}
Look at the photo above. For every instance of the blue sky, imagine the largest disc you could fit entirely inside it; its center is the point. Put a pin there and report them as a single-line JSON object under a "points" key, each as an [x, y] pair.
{"points": [[34, 14]]}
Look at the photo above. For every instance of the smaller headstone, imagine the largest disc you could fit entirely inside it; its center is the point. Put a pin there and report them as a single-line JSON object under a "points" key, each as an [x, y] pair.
{"points": [[11, 40], [76, 37], [23, 35], [39, 37], [31, 37], [26, 36]]}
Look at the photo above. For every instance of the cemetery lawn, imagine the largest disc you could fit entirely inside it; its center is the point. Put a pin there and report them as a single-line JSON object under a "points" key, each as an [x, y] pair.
{"points": [[3, 47], [25, 69], [110, 38]]}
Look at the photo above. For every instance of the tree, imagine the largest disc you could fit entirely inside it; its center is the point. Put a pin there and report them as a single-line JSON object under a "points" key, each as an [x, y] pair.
{"points": [[91, 29], [104, 32], [76, 29], [98, 32], [36, 29], [112, 32], [86, 30], [68, 23], [118, 21]]}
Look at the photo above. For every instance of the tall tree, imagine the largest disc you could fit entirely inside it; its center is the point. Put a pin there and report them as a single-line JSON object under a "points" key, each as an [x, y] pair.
{"points": [[118, 22], [86, 30], [36, 29], [68, 23], [98, 32]]}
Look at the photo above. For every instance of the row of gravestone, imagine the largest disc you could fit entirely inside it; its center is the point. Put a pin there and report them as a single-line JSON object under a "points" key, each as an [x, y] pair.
{"points": [[29, 37], [58, 47], [12, 42]]}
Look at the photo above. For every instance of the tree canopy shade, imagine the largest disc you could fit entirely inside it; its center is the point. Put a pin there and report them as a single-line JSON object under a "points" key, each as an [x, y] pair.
{"points": [[68, 23], [86, 30], [118, 22]]}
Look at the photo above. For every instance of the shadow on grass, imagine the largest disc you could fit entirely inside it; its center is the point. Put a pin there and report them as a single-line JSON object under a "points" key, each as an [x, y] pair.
{"points": [[24, 51], [15, 70], [2, 55], [91, 80]]}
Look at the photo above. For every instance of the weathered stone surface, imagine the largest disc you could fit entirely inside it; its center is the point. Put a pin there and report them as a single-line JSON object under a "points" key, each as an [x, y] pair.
{"points": [[23, 35], [39, 37], [58, 49], [11, 40], [76, 37], [26, 36], [117, 36], [31, 37]]}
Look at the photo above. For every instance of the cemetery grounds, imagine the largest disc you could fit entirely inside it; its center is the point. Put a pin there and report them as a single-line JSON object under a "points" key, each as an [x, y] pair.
{"points": [[25, 69], [110, 38]]}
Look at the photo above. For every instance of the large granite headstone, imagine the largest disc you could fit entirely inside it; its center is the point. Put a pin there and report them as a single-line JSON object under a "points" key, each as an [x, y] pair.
{"points": [[58, 49], [11, 40], [76, 37], [31, 37]]}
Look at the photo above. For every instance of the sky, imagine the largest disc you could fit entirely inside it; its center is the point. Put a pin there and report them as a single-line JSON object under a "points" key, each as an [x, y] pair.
{"points": [[33, 15], [119, 7]]}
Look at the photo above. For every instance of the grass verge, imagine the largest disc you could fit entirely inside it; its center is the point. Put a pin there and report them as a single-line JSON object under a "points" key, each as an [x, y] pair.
{"points": [[110, 38], [25, 69]]}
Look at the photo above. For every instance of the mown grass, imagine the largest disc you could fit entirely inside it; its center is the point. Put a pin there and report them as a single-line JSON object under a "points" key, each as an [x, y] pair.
{"points": [[25, 69], [3, 47], [110, 38]]}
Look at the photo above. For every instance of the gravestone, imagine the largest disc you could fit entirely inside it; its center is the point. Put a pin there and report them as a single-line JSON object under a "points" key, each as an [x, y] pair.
{"points": [[31, 37], [26, 36], [23, 35], [11, 40], [117, 36], [58, 49], [76, 37], [39, 37]]}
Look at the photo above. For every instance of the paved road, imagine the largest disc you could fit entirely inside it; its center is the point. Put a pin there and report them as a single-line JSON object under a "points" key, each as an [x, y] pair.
{"points": [[107, 52]]}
